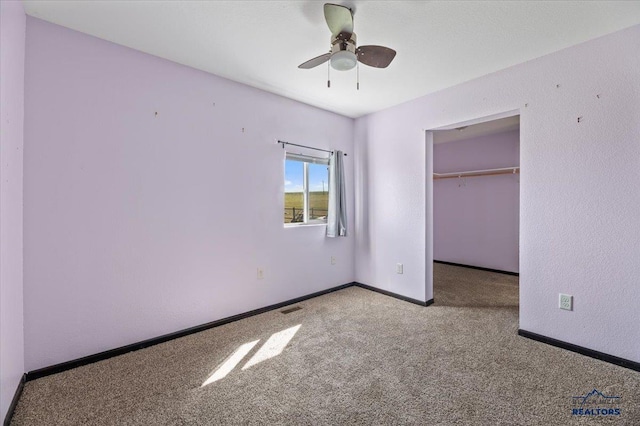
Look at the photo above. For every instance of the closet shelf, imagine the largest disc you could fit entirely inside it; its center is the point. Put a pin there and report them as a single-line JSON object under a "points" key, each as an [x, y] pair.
{"points": [[473, 173]]}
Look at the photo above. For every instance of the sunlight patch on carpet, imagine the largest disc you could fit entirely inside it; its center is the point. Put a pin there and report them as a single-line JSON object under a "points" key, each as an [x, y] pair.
{"points": [[273, 347], [230, 363]]}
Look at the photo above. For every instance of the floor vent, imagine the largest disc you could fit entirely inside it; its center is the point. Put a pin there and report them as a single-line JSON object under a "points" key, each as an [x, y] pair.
{"points": [[289, 310]]}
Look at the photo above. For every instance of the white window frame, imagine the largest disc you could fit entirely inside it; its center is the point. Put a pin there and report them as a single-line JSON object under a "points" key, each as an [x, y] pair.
{"points": [[306, 160]]}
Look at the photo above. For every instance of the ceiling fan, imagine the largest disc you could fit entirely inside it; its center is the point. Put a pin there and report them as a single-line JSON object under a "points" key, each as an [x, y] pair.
{"points": [[344, 55]]}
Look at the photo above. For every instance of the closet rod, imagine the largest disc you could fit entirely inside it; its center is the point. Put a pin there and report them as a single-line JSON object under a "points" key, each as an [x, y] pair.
{"points": [[472, 173], [304, 146]]}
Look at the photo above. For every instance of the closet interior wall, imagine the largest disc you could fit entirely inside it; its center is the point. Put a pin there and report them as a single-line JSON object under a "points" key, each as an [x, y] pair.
{"points": [[476, 218]]}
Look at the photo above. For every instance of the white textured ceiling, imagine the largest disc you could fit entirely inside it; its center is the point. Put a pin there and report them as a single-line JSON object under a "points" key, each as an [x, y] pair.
{"points": [[261, 43]]}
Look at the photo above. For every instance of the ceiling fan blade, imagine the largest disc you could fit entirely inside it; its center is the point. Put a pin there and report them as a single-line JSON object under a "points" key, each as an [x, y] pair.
{"points": [[311, 63], [375, 56], [339, 18]]}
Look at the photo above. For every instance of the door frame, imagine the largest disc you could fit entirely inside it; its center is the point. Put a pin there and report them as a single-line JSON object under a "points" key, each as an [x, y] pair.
{"points": [[429, 191]]}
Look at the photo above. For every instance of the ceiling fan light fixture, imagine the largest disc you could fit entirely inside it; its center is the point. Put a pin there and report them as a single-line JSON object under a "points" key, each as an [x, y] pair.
{"points": [[343, 60]]}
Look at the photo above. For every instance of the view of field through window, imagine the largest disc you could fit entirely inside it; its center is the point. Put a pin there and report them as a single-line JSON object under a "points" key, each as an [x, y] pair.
{"points": [[318, 187]]}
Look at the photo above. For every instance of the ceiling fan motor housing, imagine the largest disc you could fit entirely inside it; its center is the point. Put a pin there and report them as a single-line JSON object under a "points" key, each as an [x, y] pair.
{"points": [[343, 51]]}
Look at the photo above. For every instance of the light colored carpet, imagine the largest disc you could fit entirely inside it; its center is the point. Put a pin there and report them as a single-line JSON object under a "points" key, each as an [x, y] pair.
{"points": [[358, 357], [457, 286]]}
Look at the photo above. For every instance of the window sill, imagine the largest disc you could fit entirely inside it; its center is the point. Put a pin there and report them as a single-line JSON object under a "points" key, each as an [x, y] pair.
{"points": [[303, 225]]}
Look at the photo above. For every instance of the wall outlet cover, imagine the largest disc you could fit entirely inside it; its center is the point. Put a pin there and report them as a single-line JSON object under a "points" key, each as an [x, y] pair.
{"points": [[565, 302], [399, 268]]}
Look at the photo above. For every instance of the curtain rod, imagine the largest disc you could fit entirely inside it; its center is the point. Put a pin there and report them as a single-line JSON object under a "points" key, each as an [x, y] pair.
{"points": [[304, 146]]}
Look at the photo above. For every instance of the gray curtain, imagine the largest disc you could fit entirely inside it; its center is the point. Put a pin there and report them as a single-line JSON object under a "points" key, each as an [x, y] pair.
{"points": [[337, 217]]}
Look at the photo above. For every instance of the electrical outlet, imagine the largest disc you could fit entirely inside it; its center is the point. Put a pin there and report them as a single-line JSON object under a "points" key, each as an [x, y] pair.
{"points": [[399, 268], [333, 260], [565, 302], [260, 274]]}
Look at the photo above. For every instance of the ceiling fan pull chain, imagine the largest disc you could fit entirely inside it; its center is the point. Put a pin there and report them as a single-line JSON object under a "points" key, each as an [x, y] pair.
{"points": [[329, 75], [358, 76]]}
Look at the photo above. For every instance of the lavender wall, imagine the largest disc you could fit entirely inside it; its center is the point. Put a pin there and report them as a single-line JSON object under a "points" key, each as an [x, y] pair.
{"points": [[579, 189], [138, 224], [476, 219], [12, 46]]}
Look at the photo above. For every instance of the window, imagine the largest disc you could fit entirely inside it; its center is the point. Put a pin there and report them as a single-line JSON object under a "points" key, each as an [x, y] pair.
{"points": [[306, 189]]}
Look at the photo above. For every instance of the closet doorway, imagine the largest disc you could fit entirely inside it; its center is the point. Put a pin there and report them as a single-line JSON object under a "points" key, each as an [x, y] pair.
{"points": [[476, 209]]}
